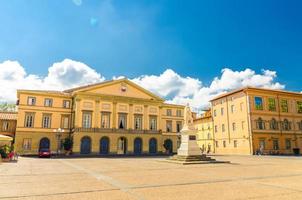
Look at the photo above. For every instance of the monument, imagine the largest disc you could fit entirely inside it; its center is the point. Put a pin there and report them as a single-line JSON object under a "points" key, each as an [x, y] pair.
{"points": [[189, 152]]}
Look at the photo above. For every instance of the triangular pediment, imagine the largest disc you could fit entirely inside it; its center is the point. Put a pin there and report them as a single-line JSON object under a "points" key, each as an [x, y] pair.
{"points": [[121, 87]]}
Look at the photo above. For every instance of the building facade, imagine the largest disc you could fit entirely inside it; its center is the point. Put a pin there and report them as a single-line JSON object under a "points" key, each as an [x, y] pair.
{"points": [[252, 120], [8, 121], [205, 134], [113, 117]]}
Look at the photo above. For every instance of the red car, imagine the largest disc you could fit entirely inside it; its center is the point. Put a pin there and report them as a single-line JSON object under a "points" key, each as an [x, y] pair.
{"points": [[44, 153]]}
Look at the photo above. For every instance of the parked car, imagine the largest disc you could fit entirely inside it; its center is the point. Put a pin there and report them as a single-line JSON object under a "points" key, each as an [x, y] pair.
{"points": [[44, 153]]}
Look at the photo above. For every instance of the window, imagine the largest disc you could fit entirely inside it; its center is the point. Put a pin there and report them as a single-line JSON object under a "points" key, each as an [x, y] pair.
{"points": [[169, 112], [300, 125], [234, 126], [66, 104], [284, 106], [222, 111], [153, 122], [299, 107], [242, 125], [5, 125], [222, 128], [31, 101], [48, 102], [138, 122], [235, 143], [286, 125], [105, 120], [209, 136], [46, 120], [65, 121], [216, 143], [214, 113], [169, 126], [260, 124], [288, 144], [122, 121], [215, 128], [262, 144], [271, 104], [87, 119], [26, 144], [275, 144], [258, 103], [274, 124], [29, 120], [241, 106], [178, 126], [178, 113], [232, 108], [224, 144]]}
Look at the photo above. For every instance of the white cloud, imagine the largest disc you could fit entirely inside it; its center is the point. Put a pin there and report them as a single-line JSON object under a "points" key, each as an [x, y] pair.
{"points": [[77, 2], [183, 90], [61, 75], [169, 85]]}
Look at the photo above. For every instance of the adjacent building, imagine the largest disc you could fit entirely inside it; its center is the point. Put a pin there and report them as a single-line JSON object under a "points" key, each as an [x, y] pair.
{"points": [[205, 134], [8, 121], [113, 117], [250, 120]]}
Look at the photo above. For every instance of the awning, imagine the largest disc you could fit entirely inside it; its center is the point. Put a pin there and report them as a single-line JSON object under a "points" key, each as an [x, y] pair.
{"points": [[5, 138]]}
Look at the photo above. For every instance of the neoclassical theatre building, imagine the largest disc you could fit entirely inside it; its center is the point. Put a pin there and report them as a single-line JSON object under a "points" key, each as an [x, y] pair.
{"points": [[113, 117]]}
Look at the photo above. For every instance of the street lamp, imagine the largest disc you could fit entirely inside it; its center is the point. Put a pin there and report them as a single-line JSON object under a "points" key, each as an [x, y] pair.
{"points": [[58, 132]]}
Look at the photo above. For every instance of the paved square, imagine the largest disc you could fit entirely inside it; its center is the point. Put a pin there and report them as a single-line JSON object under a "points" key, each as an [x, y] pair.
{"points": [[248, 177]]}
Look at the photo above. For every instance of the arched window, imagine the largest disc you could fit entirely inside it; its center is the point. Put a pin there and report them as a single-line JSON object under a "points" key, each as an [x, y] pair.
{"points": [[274, 124], [260, 124], [286, 125]]}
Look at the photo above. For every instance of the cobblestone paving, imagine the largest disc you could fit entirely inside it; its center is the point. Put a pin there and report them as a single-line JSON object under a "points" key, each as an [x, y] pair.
{"points": [[247, 177]]}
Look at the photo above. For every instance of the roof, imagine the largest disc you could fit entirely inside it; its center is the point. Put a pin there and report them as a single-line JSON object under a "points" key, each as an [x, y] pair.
{"points": [[89, 85], [45, 91], [8, 115], [254, 88]]}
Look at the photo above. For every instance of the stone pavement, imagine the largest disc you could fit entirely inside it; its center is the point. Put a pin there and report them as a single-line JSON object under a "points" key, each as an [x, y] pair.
{"points": [[247, 177]]}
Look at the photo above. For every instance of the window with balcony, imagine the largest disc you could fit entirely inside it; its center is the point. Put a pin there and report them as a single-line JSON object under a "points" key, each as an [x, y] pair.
{"points": [[286, 125], [299, 107], [274, 124], [215, 128], [232, 108], [48, 102], [222, 128], [222, 111], [138, 122], [169, 126], [122, 121], [178, 113], [46, 121], [153, 123], [105, 120], [29, 120], [234, 126], [271, 104], [260, 124], [169, 112], [31, 101], [258, 103], [284, 105], [87, 118]]}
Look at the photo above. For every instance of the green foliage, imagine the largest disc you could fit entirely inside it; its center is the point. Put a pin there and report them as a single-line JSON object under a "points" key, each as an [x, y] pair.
{"points": [[67, 144], [7, 107]]}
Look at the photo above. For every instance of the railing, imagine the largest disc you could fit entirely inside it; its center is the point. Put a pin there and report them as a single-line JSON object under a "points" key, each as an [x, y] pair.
{"points": [[115, 130]]}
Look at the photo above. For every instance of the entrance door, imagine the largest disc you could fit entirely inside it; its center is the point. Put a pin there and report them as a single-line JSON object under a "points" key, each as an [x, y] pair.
{"points": [[152, 146], [85, 145], [44, 143], [104, 145], [138, 146], [168, 145]]}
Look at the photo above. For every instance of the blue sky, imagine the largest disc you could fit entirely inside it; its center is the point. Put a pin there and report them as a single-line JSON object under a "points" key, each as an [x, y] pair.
{"points": [[139, 37]]}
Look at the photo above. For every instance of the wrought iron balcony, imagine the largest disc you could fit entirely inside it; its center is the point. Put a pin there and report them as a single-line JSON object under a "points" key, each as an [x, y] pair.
{"points": [[115, 130]]}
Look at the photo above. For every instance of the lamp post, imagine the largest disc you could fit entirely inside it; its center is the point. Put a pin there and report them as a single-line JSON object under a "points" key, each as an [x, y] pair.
{"points": [[58, 132]]}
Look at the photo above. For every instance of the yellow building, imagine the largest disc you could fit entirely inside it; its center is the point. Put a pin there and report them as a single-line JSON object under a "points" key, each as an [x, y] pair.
{"points": [[252, 120], [204, 125], [113, 117]]}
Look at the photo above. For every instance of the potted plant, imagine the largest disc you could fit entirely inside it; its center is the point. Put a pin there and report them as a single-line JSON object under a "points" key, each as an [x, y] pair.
{"points": [[3, 154], [67, 144]]}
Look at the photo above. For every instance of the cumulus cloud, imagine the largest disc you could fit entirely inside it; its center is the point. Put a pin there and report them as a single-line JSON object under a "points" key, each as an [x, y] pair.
{"points": [[169, 85], [61, 75], [183, 90]]}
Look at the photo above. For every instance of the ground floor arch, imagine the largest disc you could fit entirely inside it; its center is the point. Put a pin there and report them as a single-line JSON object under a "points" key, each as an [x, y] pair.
{"points": [[153, 146], [122, 145], [85, 145], [138, 145], [104, 145], [44, 143], [168, 145]]}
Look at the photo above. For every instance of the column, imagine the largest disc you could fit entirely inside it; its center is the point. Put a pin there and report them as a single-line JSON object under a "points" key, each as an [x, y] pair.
{"points": [[78, 114], [97, 121], [114, 115], [130, 124], [145, 117]]}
